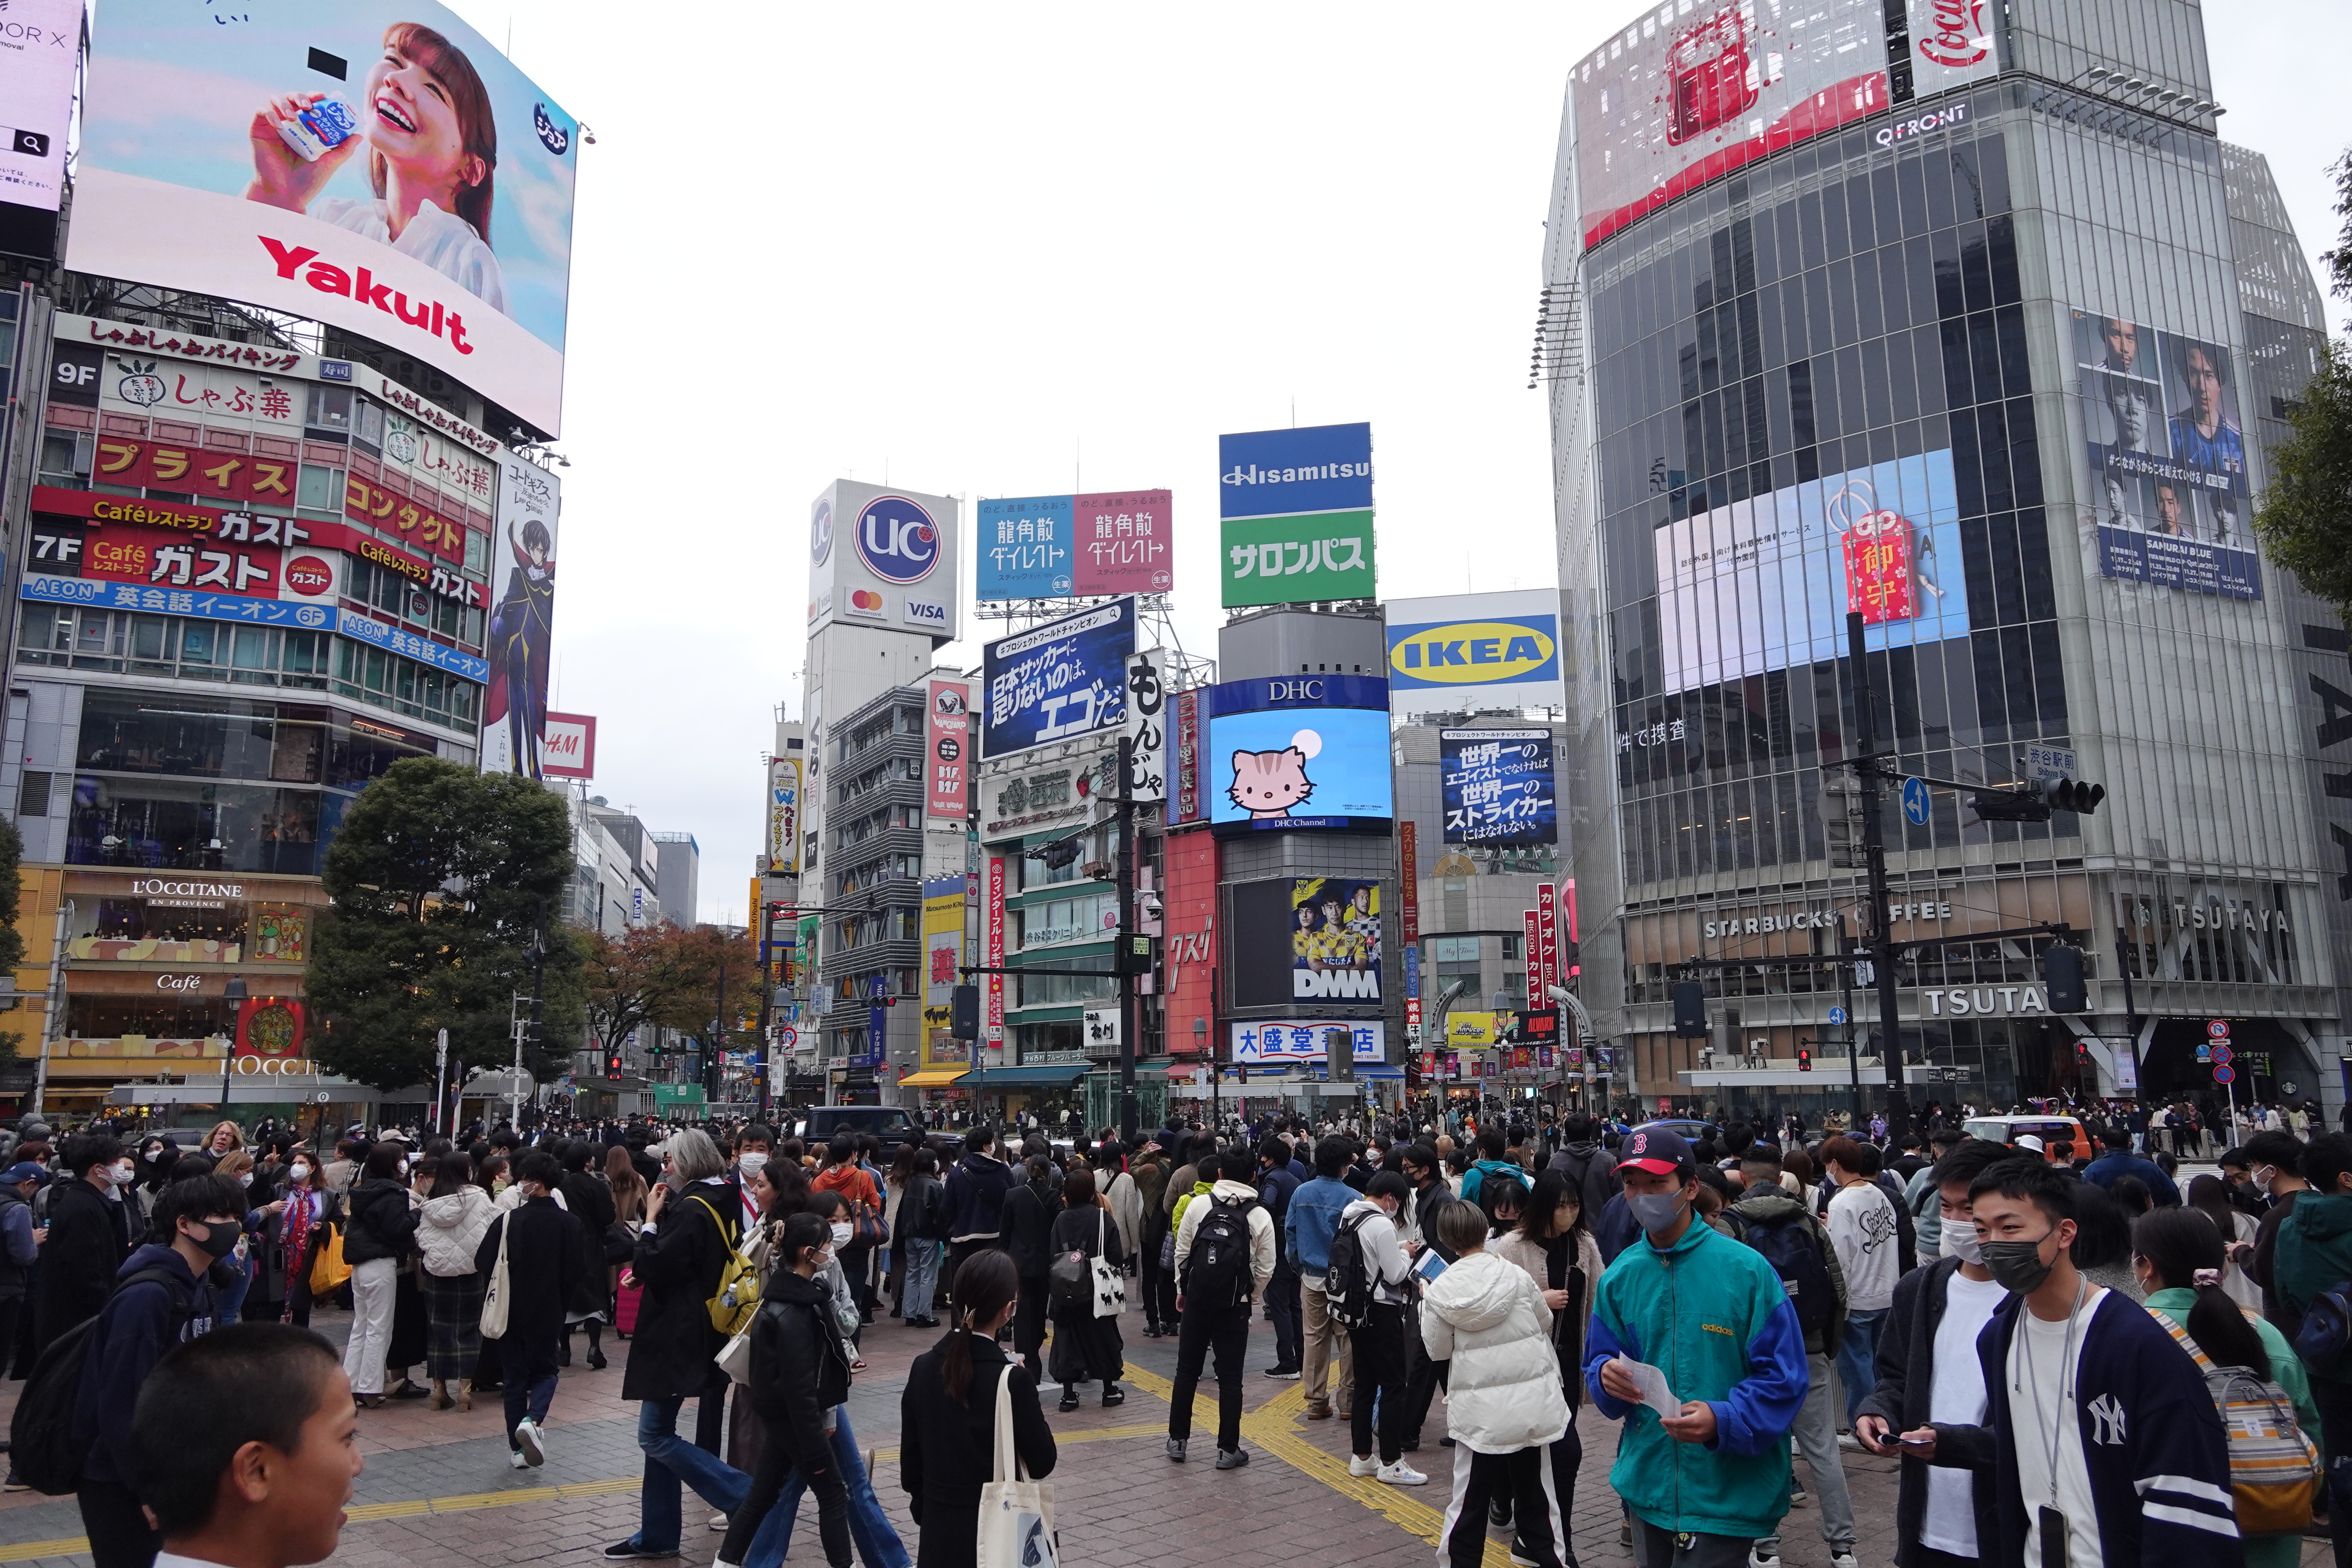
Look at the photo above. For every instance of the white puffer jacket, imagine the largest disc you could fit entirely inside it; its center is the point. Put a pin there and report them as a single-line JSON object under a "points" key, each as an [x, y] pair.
{"points": [[1489, 1318], [450, 1228]]}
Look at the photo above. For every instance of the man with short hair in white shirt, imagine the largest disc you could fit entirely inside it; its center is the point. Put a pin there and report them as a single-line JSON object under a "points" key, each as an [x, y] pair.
{"points": [[1931, 1387], [1867, 1232]]}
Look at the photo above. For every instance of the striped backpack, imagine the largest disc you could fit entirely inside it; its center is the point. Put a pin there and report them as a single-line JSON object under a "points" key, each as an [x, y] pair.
{"points": [[2274, 1468]]}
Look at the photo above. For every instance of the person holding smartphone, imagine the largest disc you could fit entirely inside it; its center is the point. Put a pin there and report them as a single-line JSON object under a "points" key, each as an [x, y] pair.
{"points": [[1931, 1387]]}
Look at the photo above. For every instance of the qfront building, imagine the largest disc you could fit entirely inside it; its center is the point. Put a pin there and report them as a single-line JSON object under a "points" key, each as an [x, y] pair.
{"points": [[1964, 319]]}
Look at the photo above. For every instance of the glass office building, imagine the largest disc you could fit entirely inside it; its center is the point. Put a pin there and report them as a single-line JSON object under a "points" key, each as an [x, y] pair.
{"points": [[1961, 318]]}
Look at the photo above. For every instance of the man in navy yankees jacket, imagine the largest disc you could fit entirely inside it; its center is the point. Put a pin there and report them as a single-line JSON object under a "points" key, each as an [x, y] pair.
{"points": [[2102, 1422]]}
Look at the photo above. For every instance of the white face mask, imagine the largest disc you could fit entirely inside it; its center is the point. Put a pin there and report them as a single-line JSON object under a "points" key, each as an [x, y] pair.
{"points": [[842, 1231], [122, 1175], [754, 1161], [1960, 1241], [245, 1178], [301, 1173]]}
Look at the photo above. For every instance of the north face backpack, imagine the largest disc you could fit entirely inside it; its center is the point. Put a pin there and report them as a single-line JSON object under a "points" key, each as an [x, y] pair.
{"points": [[1347, 1279], [2274, 1468], [1217, 1271], [1796, 1257]]}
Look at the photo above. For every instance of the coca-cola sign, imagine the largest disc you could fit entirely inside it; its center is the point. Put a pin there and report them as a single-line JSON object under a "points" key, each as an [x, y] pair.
{"points": [[1953, 35]]}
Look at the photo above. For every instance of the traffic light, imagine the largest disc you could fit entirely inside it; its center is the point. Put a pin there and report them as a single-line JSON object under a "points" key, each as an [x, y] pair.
{"points": [[1841, 813], [1690, 1009], [964, 1013], [2062, 972], [1804, 1058], [2037, 801], [1059, 854], [612, 1066]]}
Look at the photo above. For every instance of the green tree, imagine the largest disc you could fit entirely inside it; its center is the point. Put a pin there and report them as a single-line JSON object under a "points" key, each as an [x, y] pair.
{"points": [[2305, 516], [444, 881]]}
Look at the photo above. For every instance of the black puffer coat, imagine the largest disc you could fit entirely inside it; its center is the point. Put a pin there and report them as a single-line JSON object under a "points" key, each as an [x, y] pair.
{"points": [[799, 1370]]}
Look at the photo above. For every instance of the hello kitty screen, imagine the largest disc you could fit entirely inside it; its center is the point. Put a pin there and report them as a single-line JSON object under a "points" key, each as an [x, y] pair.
{"points": [[1299, 753]]}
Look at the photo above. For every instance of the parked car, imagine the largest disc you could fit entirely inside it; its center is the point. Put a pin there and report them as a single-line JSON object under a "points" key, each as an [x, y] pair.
{"points": [[889, 1125], [2051, 1129]]}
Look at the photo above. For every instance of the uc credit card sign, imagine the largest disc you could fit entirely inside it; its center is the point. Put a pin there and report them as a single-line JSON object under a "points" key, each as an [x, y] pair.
{"points": [[1322, 467]]}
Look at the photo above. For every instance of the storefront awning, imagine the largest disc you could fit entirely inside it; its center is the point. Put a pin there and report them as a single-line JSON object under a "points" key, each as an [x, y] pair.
{"points": [[1056, 1075], [933, 1078]]}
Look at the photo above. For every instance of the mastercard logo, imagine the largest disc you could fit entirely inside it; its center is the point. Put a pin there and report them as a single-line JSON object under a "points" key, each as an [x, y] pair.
{"points": [[308, 574], [865, 599]]}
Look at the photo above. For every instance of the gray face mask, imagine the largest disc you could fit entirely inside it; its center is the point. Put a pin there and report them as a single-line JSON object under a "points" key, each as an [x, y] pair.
{"points": [[1960, 1241], [1654, 1212]]}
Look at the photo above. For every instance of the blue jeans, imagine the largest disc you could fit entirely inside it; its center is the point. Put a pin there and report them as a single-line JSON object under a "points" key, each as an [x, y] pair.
{"points": [[671, 1459], [1857, 1358], [878, 1542], [922, 1280], [232, 1300]]}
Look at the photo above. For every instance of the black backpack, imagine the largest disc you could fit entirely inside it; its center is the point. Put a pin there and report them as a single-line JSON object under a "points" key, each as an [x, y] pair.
{"points": [[43, 1448], [1347, 1283], [1796, 1257], [1218, 1271]]}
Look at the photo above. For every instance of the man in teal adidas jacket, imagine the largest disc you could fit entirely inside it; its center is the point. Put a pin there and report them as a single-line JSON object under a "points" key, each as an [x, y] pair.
{"points": [[1715, 1318]]}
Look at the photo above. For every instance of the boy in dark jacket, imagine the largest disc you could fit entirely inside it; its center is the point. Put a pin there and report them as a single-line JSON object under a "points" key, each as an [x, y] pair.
{"points": [[1931, 1385], [543, 1269], [2099, 1423], [976, 1190], [799, 1374], [89, 1235], [162, 1297]]}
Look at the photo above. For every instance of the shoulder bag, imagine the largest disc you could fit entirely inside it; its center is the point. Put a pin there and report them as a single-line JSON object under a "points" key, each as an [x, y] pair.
{"points": [[496, 1295], [1016, 1514], [1110, 1280]]}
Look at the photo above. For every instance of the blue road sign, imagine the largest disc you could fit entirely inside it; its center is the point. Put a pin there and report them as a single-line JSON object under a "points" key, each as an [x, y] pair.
{"points": [[1837, 1015], [1915, 801], [2224, 1073]]}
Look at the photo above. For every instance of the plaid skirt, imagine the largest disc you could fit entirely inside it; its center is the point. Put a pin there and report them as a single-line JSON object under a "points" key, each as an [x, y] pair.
{"points": [[453, 1322]]}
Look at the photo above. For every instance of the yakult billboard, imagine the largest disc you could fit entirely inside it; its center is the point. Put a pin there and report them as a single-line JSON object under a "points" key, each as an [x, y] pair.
{"points": [[374, 164], [1686, 94]]}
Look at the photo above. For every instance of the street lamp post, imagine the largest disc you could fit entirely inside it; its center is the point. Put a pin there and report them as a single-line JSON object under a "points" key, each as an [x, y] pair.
{"points": [[235, 995]]}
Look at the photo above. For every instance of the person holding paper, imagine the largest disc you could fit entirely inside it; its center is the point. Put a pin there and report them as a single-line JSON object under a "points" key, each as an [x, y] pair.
{"points": [[1690, 1320]]}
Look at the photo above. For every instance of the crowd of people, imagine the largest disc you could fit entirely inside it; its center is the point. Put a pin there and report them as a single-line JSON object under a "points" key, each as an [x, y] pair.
{"points": [[2032, 1327]]}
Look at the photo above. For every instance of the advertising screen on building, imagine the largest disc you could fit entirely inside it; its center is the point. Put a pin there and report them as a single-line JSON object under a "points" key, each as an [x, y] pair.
{"points": [[1300, 751], [1766, 583], [1307, 939], [568, 748], [1060, 547], [2164, 459], [40, 47], [947, 742], [1498, 786], [1297, 510], [943, 910], [1686, 95], [1060, 681], [522, 627], [884, 558], [1461, 652], [783, 817], [376, 165]]}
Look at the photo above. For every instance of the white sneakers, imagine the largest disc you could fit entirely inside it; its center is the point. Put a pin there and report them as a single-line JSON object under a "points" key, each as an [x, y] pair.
{"points": [[533, 1442], [718, 1524], [1842, 1560], [1400, 1475], [1365, 1466], [518, 1461]]}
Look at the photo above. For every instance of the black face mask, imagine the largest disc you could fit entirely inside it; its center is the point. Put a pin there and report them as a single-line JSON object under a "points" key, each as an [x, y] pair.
{"points": [[2017, 1265], [220, 1239]]}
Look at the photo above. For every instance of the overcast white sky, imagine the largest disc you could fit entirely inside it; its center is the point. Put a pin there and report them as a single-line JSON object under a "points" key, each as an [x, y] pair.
{"points": [[969, 249]]}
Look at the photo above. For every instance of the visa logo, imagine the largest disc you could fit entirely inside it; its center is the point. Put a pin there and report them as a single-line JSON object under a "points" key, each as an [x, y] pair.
{"points": [[1472, 653], [926, 613]]}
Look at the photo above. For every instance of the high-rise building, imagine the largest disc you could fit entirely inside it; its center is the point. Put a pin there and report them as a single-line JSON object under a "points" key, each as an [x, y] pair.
{"points": [[1963, 318]]}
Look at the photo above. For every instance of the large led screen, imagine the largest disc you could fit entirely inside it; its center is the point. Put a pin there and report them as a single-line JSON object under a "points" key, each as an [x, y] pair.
{"points": [[1767, 582], [1300, 751], [374, 164]]}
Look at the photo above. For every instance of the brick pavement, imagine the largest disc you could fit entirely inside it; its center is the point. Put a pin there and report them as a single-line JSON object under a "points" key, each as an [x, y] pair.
{"points": [[437, 1489]]}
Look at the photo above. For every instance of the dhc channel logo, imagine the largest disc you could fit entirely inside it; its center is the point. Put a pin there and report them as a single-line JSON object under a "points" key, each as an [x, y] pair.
{"points": [[897, 539]]}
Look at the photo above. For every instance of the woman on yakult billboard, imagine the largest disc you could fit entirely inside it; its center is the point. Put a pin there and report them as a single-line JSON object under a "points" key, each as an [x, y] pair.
{"points": [[374, 164]]}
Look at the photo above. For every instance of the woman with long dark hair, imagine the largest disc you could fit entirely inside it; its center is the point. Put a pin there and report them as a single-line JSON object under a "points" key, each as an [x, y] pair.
{"points": [[1554, 1243], [800, 1372], [2177, 1261], [2210, 1198], [1030, 1207], [948, 1416]]}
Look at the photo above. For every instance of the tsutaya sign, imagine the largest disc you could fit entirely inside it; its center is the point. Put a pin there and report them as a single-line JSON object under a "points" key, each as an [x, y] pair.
{"points": [[1977, 1001], [1934, 907]]}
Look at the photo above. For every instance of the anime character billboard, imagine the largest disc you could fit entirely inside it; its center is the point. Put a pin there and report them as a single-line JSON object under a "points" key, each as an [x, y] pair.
{"points": [[522, 626]]}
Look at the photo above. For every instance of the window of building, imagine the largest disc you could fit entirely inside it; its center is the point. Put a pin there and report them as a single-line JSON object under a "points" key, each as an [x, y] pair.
{"points": [[65, 459], [327, 407], [194, 825], [32, 794]]}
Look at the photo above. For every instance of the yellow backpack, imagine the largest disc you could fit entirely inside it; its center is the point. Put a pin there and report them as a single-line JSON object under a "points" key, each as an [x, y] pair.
{"points": [[738, 1298]]}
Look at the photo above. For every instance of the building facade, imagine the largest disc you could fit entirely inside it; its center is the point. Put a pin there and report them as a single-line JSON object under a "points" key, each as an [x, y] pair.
{"points": [[1967, 344]]}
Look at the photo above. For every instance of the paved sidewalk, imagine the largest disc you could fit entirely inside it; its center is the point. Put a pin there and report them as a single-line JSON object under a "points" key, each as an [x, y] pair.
{"points": [[437, 1489]]}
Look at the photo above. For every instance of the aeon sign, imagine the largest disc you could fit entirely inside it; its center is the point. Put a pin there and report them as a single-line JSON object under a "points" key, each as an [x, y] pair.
{"points": [[1955, 34], [897, 539]]}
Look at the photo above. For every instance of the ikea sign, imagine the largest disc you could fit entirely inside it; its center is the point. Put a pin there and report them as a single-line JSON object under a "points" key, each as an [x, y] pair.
{"points": [[1462, 652]]}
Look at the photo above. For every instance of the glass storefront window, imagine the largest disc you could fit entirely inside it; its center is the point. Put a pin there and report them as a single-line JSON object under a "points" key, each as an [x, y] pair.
{"points": [[185, 825], [158, 1017]]}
